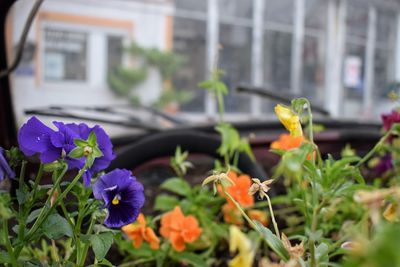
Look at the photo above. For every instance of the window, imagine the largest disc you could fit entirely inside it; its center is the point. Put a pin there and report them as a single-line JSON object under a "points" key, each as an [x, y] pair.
{"points": [[190, 42], [235, 60], [64, 55], [114, 53]]}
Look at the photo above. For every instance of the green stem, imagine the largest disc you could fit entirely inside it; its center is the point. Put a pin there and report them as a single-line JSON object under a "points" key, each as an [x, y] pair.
{"points": [[85, 249], [220, 106], [22, 174], [21, 209], [9, 247], [37, 181], [45, 212], [250, 221], [314, 225], [374, 149], [272, 215]]}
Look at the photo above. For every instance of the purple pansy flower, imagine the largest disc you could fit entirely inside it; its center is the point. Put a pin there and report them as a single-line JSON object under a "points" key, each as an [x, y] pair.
{"points": [[384, 164], [122, 195], [5, 170], [390, 118], [36, 138]]}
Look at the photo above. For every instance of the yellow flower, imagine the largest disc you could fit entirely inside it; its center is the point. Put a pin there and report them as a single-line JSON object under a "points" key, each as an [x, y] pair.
{"points": [[289, 119], [239, 242], [390, 212]]}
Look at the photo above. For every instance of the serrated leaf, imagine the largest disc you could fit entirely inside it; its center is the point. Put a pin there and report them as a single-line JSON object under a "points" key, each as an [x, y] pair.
{"points": [[273, 241], [101, 243], [56, 227], [165, 202], [177, 186]]}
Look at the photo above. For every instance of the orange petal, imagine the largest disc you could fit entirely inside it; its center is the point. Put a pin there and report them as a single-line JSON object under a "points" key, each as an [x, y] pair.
{"points": [[177, 242]]}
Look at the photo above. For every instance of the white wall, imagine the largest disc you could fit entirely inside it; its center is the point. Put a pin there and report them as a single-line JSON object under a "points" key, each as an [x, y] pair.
{"points": [[149, 30]]}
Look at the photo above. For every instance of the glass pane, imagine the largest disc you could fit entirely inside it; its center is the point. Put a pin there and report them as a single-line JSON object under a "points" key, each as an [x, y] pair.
{"points": [[192, 5], [236, 8], [277, 59], [315, 14], [114, 52], [190, 42], [64, 55], [357, 20], [313, 68], [279, 11], [235, 60], [386, 27]]}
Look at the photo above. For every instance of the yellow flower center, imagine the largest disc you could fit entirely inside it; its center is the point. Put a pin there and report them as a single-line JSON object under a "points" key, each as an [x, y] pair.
{"points": [[115, 200]]}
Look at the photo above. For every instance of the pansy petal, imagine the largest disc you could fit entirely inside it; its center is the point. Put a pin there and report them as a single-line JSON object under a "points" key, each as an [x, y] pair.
{"points": [[34, 137], [50, 155], [5, 170]]}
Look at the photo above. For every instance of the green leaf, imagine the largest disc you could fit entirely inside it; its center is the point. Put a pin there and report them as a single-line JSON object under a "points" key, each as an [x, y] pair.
{"points": [[80, 142], [177, 185], [92, 139], [189, 258], [101, 243], [206, 84], [76, 153], [97, 152], [273, 241], [4, 257], [165, 202], [22, 196], [56, 227], [33, 215]]}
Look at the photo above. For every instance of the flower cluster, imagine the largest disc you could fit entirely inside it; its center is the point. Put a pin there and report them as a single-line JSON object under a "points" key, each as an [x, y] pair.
{"points": [[36, 138], [73, 143]]}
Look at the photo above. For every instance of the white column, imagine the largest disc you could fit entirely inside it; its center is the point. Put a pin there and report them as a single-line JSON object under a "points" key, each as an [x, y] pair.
{"points": [[96, 62], [212, 51], [297, 47], [336, 41], [369, 62], [257, 54], [397, 49]]}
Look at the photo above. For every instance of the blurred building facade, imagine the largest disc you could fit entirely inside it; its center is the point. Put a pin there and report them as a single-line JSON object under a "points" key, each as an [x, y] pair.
{"points": [[342, 54]]}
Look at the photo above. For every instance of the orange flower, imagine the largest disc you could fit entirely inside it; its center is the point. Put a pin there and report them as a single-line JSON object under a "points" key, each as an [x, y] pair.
{"points": [[139, 232], [287, 142], [232, 215], [179, 229], [239, 190], [258, 215]]}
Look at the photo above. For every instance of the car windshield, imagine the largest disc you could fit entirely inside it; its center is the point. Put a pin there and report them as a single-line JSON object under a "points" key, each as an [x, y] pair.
{"points": [[136, 65]]}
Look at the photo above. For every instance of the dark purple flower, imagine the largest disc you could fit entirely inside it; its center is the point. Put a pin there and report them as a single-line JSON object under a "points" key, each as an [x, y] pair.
{"points": [[36, 138], [384, 164], [390, 118], [66, 135], [122, 195], [5, 170]]}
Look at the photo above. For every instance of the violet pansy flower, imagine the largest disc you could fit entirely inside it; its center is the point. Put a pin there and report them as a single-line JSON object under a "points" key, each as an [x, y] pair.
{"points": [[36, 138], [5, 170], [122, 195], [384, 164], [390, 118]]}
